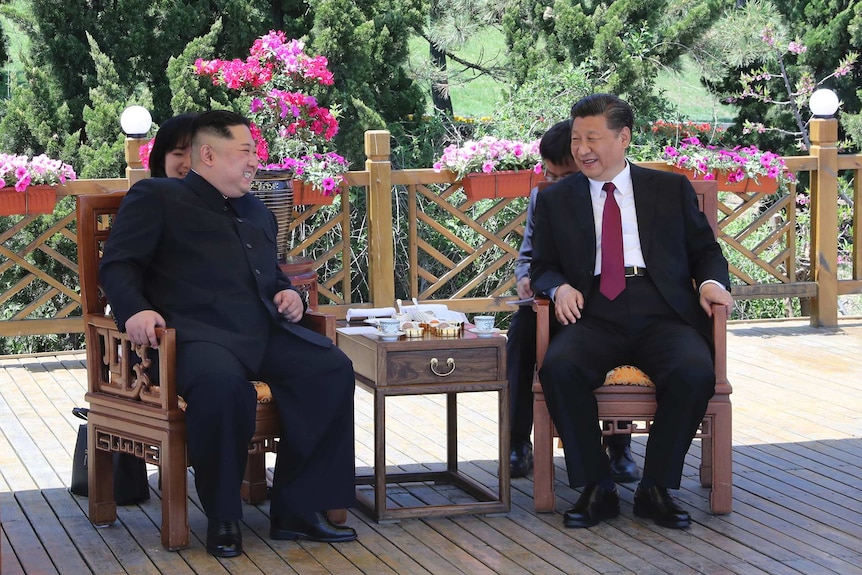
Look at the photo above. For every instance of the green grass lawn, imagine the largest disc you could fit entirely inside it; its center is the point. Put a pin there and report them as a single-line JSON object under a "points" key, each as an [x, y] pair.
{"points": [[684, 89]]}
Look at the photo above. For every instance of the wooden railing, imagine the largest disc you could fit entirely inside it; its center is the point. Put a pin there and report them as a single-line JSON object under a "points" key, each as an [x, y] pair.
{"points": [[413, 233]]}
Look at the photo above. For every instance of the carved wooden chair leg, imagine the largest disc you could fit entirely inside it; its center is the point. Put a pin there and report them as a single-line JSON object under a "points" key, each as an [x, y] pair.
{"points": [[254, 481], [100, 479], [175, 513], [721, 495], [543, 455], [707, 454], [337, 516]]}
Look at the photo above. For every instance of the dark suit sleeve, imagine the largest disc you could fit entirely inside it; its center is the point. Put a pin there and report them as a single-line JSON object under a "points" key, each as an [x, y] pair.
{"points": [[545, 272], [129, 250]]}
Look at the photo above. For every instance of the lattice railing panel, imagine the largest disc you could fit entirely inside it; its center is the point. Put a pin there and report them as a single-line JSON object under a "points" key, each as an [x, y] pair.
{"points": [[323, 233], [758, 232], [38, 266], [460, 248]]}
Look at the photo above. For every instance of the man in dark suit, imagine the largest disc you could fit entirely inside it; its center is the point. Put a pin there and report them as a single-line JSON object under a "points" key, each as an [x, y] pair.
{"points": [[199, 255], [556, 151], [632, 267]]}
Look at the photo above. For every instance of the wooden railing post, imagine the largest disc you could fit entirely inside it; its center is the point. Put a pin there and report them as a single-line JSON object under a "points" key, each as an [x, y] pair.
{"points": [[134, 168], [824, 222], [381, 247]]}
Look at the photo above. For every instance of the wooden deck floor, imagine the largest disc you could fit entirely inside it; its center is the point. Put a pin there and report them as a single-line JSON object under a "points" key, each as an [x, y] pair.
{"points": [[797, 485]]}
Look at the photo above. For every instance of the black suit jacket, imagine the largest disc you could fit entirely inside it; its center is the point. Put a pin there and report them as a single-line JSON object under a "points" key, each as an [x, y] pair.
{"points": [[212, 276], [676, 240]]}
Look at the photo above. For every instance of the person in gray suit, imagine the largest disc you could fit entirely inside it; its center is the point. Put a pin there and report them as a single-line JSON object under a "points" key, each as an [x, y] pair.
{"points": [[198, 254], [635, 288]]}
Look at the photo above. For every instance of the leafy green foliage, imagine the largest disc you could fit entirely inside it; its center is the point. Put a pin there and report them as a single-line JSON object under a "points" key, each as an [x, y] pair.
{"points": [[621, 46], [102, 154], [735, 51], [35, 119], [366, 43]]}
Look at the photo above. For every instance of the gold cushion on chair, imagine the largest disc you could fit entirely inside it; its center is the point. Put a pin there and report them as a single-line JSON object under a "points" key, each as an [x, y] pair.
{"points": [[628, 375], [264, 394]]}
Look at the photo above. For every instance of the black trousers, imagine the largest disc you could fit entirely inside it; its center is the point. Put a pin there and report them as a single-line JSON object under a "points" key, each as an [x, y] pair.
{"points": [[520, 363], [313, 390], [638, 328]]}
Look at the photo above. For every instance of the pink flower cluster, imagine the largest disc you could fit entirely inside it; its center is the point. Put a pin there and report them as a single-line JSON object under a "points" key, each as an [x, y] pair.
{"points": [[270, 56], [738, 163], [144, 153], [324, 170], [30, 172], [287, 122], [490, 154]]}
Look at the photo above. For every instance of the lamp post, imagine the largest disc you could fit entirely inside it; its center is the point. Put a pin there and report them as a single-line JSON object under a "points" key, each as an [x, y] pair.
{"points": [[135, 122], [824, 208]]}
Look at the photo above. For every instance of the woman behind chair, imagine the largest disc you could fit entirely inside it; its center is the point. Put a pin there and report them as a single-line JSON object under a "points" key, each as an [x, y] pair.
{"points": [[172, 148]]}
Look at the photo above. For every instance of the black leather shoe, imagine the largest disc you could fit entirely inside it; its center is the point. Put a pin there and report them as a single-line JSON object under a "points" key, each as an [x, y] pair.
{"points": [[657, 504], [520, 459], [592, 506], [224, 538], [313, 526], [623, 466]]}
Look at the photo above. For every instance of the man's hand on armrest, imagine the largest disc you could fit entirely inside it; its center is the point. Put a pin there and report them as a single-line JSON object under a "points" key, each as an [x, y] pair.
{"points": [[289, 304], [713, 293], [141, 327], [568, 303]]}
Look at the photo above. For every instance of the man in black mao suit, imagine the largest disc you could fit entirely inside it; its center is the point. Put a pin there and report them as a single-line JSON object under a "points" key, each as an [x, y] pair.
{"points": [[655, 318], [199, 255]]}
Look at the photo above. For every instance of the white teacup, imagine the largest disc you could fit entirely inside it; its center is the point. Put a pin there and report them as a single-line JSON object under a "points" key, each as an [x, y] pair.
{"points": [[483, 322], [389, 325]]}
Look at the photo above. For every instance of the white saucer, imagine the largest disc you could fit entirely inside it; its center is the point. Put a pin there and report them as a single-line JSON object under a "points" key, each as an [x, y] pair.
{"points": [[390, 336], [484, 332]]}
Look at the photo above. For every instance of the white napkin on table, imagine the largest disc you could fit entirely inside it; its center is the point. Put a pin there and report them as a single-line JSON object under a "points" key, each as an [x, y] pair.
{"points": [[369, 312]]}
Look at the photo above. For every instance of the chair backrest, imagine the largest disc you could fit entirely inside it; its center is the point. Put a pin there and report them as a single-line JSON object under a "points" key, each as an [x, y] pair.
{"points": [[707, 198], [96, 215]]}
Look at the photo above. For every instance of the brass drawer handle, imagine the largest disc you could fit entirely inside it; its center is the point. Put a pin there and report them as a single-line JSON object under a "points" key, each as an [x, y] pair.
{"points": [[450, 362]]}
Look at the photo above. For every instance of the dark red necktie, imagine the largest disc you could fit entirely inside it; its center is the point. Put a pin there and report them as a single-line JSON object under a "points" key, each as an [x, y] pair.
{"points": [[613, 280]]}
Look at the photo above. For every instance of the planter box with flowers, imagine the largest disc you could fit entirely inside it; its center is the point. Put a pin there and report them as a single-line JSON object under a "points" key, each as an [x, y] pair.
{"points": [[494, 168], [29, 185], [290, 128], [741, 169]]}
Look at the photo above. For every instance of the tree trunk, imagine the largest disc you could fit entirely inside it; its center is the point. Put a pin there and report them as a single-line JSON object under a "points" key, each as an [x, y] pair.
{"points": [[439, 86]]}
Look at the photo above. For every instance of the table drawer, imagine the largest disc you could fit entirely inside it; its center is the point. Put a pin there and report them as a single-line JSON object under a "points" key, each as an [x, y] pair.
{"points": [[450, 365]]}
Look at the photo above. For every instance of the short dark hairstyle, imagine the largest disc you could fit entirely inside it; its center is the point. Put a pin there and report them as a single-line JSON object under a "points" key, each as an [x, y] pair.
{"points": [[174, 133], [616, 111], [556, 145], [217, 123]]}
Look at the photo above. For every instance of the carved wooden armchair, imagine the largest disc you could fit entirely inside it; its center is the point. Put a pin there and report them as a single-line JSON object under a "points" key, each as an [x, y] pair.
{"points": [[130, 413], [629, 396]]}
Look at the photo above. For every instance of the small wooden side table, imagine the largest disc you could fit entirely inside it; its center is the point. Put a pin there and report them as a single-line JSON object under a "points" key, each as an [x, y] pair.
{"points": [[427, 366], [303, 276]]}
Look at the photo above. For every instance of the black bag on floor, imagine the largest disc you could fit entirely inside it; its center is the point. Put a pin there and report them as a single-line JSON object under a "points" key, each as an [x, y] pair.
{"points": [[130, 472]]}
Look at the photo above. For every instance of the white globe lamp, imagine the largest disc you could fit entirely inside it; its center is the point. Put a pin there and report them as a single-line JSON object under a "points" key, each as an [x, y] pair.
{"points": [[136, 121], [823, 103]]}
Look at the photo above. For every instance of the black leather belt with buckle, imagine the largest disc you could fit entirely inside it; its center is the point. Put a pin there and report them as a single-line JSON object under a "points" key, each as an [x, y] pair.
{"points": [[635, 272]]}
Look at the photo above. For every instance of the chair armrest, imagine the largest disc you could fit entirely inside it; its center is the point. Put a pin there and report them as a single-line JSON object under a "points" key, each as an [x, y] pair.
{"points": [[322, 323], [542, 307], [719, 338]]}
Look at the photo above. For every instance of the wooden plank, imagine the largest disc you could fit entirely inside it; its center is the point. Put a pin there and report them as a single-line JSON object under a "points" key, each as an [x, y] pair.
{"points": [[50, 532], [23, 541]]}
